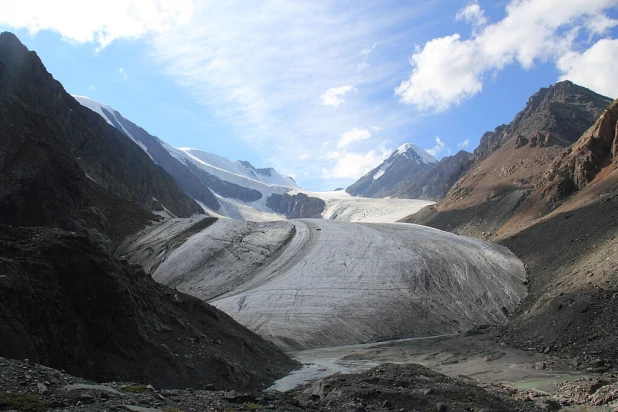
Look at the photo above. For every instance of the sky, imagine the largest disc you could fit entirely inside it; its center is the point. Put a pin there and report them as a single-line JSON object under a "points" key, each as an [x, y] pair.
{"points": [[324, 90]]}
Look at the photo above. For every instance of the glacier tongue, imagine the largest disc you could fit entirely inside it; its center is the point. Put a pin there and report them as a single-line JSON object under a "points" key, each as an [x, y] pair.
{"points": [[315, 283]]}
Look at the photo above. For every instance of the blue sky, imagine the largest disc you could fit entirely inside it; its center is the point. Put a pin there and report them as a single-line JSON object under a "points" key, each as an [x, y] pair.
{"points": [[322, 91]]}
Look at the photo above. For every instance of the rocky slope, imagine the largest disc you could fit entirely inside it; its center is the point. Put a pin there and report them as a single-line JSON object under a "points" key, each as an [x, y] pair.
{"points": [[563, 223], [510, 163], [72, 187], [200, 174], [31, 388], [570, 253], [68, 304], [63, 166]]}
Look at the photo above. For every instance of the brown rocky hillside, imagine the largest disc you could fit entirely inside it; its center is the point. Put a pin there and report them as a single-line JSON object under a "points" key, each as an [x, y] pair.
{"points": [[563, 223]]}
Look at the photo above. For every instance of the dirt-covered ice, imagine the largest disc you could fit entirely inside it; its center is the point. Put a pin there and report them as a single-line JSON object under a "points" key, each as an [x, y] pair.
{"points": [[316, 283]]}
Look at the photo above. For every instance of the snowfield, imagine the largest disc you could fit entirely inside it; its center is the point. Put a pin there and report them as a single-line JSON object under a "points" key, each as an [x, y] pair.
{"points": [[314, 283], [344, 207]]}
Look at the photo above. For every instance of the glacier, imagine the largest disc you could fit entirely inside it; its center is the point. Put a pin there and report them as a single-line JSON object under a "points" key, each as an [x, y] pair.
{"points": [[311, 283]]}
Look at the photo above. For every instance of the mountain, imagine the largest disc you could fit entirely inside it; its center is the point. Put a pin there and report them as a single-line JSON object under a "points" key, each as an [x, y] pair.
{"points": [[63, 167], [435, 182], [72, 188], [510, 162], [570, 252], [552, 198], [233, 189], [382, 181]]}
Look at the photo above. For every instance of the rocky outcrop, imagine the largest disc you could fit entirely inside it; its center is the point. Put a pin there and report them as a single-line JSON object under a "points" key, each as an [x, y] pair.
{"points": [[64, 166], [66, 303], [581, 163], [296, 206]]}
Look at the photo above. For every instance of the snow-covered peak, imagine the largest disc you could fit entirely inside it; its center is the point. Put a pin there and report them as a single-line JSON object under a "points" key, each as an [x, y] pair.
{"points": [[406, 148], [268, 176]]}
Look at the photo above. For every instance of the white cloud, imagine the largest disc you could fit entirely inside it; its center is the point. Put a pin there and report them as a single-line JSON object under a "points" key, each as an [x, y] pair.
{"points": [[92, 87], [365, 53], [450, 69], [472, 14], [335, 95], [100, 22], [123, 73], [352, 165], [353, 135], [265, 84], [464, 144], [304, 156], [438, 148], [595, 68]]}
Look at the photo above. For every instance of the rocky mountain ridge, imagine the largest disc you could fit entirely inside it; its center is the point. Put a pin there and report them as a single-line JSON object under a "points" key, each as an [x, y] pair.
{"points": [[555, 207], [73, 187]]}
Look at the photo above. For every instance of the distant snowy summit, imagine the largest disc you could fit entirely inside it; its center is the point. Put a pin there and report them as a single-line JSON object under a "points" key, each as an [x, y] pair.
{"points": [[239, 190], [408, 160], [413, 152]]}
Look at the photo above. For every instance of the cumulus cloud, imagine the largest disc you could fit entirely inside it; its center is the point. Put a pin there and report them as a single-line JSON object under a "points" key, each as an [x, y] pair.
{"points": [[438, 148], [352, 165], [335, 95], [97, 22], [450, 69], [583, 68], [464, 144], [353, 135]]}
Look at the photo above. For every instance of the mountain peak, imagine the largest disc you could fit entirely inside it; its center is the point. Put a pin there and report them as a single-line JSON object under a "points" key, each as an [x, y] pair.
{"points": [[406, 148]]}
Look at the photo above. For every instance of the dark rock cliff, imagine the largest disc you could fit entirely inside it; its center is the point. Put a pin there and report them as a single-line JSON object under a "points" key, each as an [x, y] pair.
{"points": [[71, 187], [296, 206], [63, 165]]}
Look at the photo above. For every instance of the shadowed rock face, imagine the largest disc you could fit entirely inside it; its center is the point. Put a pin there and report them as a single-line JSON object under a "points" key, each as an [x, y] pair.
{"points": [[296, 206], [63, 165], [64, 300], [581, 163], [194, 181], [67, 304], [189, 182]]}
